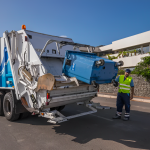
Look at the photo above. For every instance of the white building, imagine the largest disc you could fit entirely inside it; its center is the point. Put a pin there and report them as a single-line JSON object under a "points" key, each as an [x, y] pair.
{"points": [[139, 42]]}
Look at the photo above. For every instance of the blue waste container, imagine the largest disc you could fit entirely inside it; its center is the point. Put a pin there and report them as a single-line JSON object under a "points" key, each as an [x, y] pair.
{"points": [[88, 67]]}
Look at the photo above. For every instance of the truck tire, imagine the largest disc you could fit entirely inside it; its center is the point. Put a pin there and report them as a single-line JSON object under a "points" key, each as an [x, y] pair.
{"points": [[1, 103], [9, 110]]}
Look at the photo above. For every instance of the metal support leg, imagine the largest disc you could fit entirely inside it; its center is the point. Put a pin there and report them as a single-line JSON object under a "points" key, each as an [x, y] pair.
{"points": [[98, 106], [56, 117]]}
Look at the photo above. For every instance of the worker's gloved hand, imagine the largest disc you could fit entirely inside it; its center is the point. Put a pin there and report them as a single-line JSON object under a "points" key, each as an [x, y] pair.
{"points": [[115, 83]]}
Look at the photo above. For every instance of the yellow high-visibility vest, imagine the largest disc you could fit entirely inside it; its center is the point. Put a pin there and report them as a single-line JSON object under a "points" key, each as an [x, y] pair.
{"points": [[124, 85]]}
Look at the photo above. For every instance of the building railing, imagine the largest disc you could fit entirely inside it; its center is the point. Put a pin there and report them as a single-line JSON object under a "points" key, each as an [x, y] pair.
{"points": [[124, 54]]}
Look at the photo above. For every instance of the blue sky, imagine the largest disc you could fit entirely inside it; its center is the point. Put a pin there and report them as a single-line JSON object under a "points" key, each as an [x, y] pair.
{"points": [[93, 22]]}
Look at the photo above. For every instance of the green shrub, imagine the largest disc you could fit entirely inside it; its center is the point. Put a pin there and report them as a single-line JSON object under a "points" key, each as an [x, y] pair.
{"points": [[111, 57], [121, 72], [133, 72], [143, 68]]}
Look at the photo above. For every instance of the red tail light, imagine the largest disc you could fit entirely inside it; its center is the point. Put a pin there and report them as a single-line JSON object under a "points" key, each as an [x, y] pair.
{"points": [[26, 38], [48, 95]]}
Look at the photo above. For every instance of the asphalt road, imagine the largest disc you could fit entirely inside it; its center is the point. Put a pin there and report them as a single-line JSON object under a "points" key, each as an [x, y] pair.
{"points": [[92, 132]]}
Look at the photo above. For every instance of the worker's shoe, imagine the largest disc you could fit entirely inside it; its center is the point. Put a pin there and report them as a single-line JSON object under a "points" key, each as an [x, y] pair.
{"points": [[126, 118], [117, 117]]}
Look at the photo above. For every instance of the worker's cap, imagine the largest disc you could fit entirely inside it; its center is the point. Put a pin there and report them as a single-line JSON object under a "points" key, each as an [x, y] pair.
{"points": [[128, 70]]}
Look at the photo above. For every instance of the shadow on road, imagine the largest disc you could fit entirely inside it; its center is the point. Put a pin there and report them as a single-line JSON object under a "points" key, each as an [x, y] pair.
{"points": [[134, 133]]}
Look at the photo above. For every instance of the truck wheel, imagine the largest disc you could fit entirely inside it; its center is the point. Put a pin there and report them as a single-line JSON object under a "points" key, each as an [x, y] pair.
{"points": [[9, 110], [1, 103]]}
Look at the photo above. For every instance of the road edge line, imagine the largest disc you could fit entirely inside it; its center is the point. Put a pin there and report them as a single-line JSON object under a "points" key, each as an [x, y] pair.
{"points": [[134, 99]]}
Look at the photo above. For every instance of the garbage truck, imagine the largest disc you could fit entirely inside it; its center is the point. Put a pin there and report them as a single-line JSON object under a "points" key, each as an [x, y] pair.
{"points": [[41, 73]]}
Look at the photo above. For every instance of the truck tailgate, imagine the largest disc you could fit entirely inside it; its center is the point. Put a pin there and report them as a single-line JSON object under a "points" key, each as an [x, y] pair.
{"points": [[59, 97], [72, 90]]}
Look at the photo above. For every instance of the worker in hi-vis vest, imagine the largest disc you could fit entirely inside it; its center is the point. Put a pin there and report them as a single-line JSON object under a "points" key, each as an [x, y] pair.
{"points": [[124, 96]]}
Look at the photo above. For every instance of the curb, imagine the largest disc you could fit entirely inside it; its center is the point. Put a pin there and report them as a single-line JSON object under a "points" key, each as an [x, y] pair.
{"points": [[134, 99]]}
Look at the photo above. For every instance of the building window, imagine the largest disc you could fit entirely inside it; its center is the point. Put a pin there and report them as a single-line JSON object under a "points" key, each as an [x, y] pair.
{"points": [[145, 49], [132, 52], [139, 51]]}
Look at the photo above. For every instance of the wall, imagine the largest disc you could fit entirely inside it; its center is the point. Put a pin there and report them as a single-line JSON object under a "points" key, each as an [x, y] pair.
{"points": [[131, 61], [132, 41], [138, 39], [142, 87], [107, 47]]}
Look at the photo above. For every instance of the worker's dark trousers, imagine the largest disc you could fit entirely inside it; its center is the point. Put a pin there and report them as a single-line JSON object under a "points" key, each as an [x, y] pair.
{"points": [[123, 99]]}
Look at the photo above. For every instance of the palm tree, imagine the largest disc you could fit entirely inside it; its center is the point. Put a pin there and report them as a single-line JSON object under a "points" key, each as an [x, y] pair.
{"points": [[131, 52], [124, 53], [135, 51]]}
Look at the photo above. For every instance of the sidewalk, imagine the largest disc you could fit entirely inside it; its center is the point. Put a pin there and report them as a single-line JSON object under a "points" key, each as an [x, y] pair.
{"points": [[135, 98]]}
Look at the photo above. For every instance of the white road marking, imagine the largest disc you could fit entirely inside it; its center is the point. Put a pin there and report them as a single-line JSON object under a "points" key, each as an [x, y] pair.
{"points": [[97, 116], [128, 140]]}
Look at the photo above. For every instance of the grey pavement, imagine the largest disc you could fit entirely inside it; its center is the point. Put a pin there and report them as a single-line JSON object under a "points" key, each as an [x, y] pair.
{"points": [[92, 132]]}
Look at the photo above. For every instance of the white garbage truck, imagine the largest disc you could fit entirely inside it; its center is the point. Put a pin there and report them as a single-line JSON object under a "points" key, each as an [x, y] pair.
{"points": [[33, 78]]}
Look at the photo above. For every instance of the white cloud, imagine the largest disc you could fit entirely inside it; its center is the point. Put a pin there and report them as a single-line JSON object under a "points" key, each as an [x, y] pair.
{"points": [[63, 36]]}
